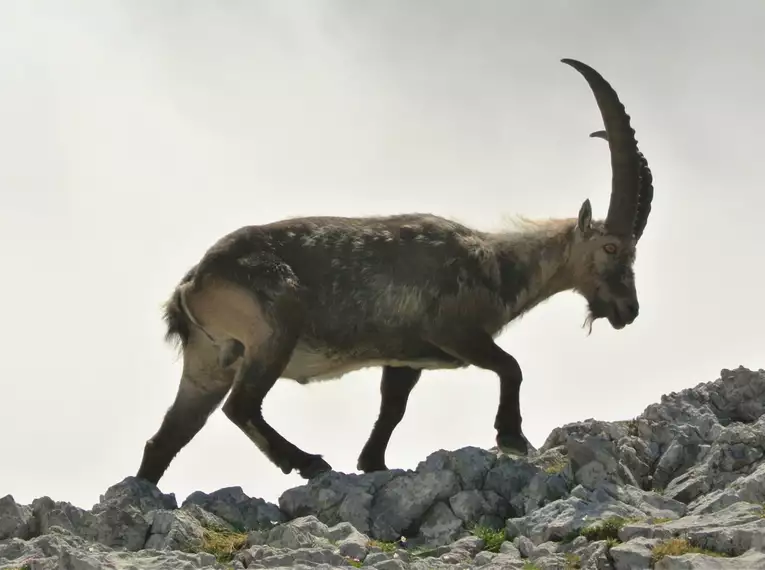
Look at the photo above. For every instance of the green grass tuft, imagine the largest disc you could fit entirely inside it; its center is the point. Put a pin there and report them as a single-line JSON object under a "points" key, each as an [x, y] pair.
{"points": [[573, 561], [606, 529], [557, 466], [222, 543], [384, 545], [678, 547], [492, 539]]}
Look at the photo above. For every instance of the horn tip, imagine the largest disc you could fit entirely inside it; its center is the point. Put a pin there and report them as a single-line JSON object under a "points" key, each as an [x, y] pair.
{"points": [[576, 64]]}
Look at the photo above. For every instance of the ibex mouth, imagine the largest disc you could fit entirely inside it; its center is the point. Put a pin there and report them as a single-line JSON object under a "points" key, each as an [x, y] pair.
{"points": [[621, 315], [600, 309], [616, 320]]}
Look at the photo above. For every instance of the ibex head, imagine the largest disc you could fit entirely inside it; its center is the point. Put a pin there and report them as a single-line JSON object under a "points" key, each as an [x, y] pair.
{"points": [[604, 252]]}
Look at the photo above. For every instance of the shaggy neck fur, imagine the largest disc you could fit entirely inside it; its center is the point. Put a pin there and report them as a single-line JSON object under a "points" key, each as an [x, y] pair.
{"points": [[542, 250]]}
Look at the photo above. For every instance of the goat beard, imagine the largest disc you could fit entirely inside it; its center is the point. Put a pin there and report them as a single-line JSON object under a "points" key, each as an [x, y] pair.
{"points": [[589, 319]]}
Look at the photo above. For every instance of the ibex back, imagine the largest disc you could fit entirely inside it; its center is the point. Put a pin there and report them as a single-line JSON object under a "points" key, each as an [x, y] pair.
{"points": [[314, 298]]}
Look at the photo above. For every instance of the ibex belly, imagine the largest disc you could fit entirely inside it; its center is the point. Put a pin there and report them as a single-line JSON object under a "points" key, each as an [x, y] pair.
{"points": [[311, 365]]}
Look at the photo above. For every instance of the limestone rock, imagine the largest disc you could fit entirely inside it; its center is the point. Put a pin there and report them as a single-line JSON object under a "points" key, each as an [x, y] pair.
{"points": [[597, 496], [237, 509]]}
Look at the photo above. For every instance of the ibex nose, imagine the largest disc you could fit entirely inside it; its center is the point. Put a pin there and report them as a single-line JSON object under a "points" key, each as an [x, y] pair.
{"points": [[632, 308]]}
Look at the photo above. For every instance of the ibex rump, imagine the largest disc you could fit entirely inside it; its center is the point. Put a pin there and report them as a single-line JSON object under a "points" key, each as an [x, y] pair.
{"points": [[314, 298]]}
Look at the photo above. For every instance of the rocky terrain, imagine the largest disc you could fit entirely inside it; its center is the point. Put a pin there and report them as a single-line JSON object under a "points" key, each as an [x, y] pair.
{"points": [[681, 486]]}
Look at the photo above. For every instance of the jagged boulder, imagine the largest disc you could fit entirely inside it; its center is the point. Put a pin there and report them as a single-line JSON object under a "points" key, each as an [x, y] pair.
{"points": [[680, 486]]}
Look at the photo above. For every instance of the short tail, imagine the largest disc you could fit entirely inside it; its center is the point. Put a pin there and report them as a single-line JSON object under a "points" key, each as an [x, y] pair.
{"points": [[176, 315]]}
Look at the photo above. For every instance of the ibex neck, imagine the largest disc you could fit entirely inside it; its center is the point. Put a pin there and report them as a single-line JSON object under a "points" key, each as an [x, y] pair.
{"points": [[534, 263]]}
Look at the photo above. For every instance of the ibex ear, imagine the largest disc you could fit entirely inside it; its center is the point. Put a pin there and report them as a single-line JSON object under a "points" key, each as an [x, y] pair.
{"points": [[584, 223]]}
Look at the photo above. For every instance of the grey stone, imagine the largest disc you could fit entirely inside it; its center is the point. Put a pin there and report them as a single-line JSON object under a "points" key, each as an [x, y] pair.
{"points": [[404, 500], [174, 530], [302, 532], [633, 555], [475, 506], [643, 530], [595, 556], [732, 530], [337, 497], [121, 519], [509, 477], [525, 546], [133, 492], [62, 550], [470, 544], [205, 518], [504, 562], [483, 558], [242, 512], [544, 549], [354, 545], [456, 556], [391, 564], [509, 548], [750, 488], [440, 526], [374, 558], [563, 517], [16, 521], [470, 464], [552, 562], [118, 524], [340, 531]]}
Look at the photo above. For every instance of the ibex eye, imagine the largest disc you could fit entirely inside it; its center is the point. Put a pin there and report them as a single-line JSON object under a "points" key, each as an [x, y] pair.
{"points": [[609, 248]]}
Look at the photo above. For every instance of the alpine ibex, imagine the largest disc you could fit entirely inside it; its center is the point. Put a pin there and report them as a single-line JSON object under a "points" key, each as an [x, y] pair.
{"points": [[314, 298]]}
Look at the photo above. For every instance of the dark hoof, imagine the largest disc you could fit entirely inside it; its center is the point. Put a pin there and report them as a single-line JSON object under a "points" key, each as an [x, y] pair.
{"points": [[370, 466], [513, 444], [316, 466]]}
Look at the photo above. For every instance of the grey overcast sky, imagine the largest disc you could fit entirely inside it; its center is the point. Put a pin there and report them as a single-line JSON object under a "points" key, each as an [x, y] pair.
{"points": [[135, 133]]}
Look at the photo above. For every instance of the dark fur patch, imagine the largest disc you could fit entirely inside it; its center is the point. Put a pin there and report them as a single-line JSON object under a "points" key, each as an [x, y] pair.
{"points": [[513, 274], [374, 288]]}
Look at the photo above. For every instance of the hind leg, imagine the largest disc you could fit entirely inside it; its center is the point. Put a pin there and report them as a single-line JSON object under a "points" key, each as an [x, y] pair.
{"points": [[397, 383], [262, 366], [203, 386]]}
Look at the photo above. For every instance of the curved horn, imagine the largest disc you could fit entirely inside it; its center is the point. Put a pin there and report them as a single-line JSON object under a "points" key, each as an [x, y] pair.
{"points": [[625, 162], [646, 190]]}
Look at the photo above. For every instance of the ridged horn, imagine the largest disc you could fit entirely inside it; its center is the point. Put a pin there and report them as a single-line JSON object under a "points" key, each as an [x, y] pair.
{"points": [[646, 190], [625, 159]]}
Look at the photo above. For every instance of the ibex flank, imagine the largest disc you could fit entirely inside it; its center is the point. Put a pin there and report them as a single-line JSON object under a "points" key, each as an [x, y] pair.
{"points": [[314, 298]]}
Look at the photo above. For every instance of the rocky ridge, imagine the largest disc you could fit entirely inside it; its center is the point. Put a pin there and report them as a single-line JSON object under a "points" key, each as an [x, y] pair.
{"points": [[681, 486]]}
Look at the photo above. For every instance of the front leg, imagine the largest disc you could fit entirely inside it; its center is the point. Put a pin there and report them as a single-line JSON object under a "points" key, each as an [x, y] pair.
{"points": [[478, 348], [395, 387]]}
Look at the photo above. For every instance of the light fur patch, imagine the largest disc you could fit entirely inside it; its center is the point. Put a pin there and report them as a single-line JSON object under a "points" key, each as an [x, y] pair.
{"points": [[308, 365], [400, 303], [226, 311], [255, 435]]}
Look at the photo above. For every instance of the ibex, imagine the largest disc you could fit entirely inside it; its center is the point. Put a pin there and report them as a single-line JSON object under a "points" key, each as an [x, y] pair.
{"points": [[314, 298]]}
